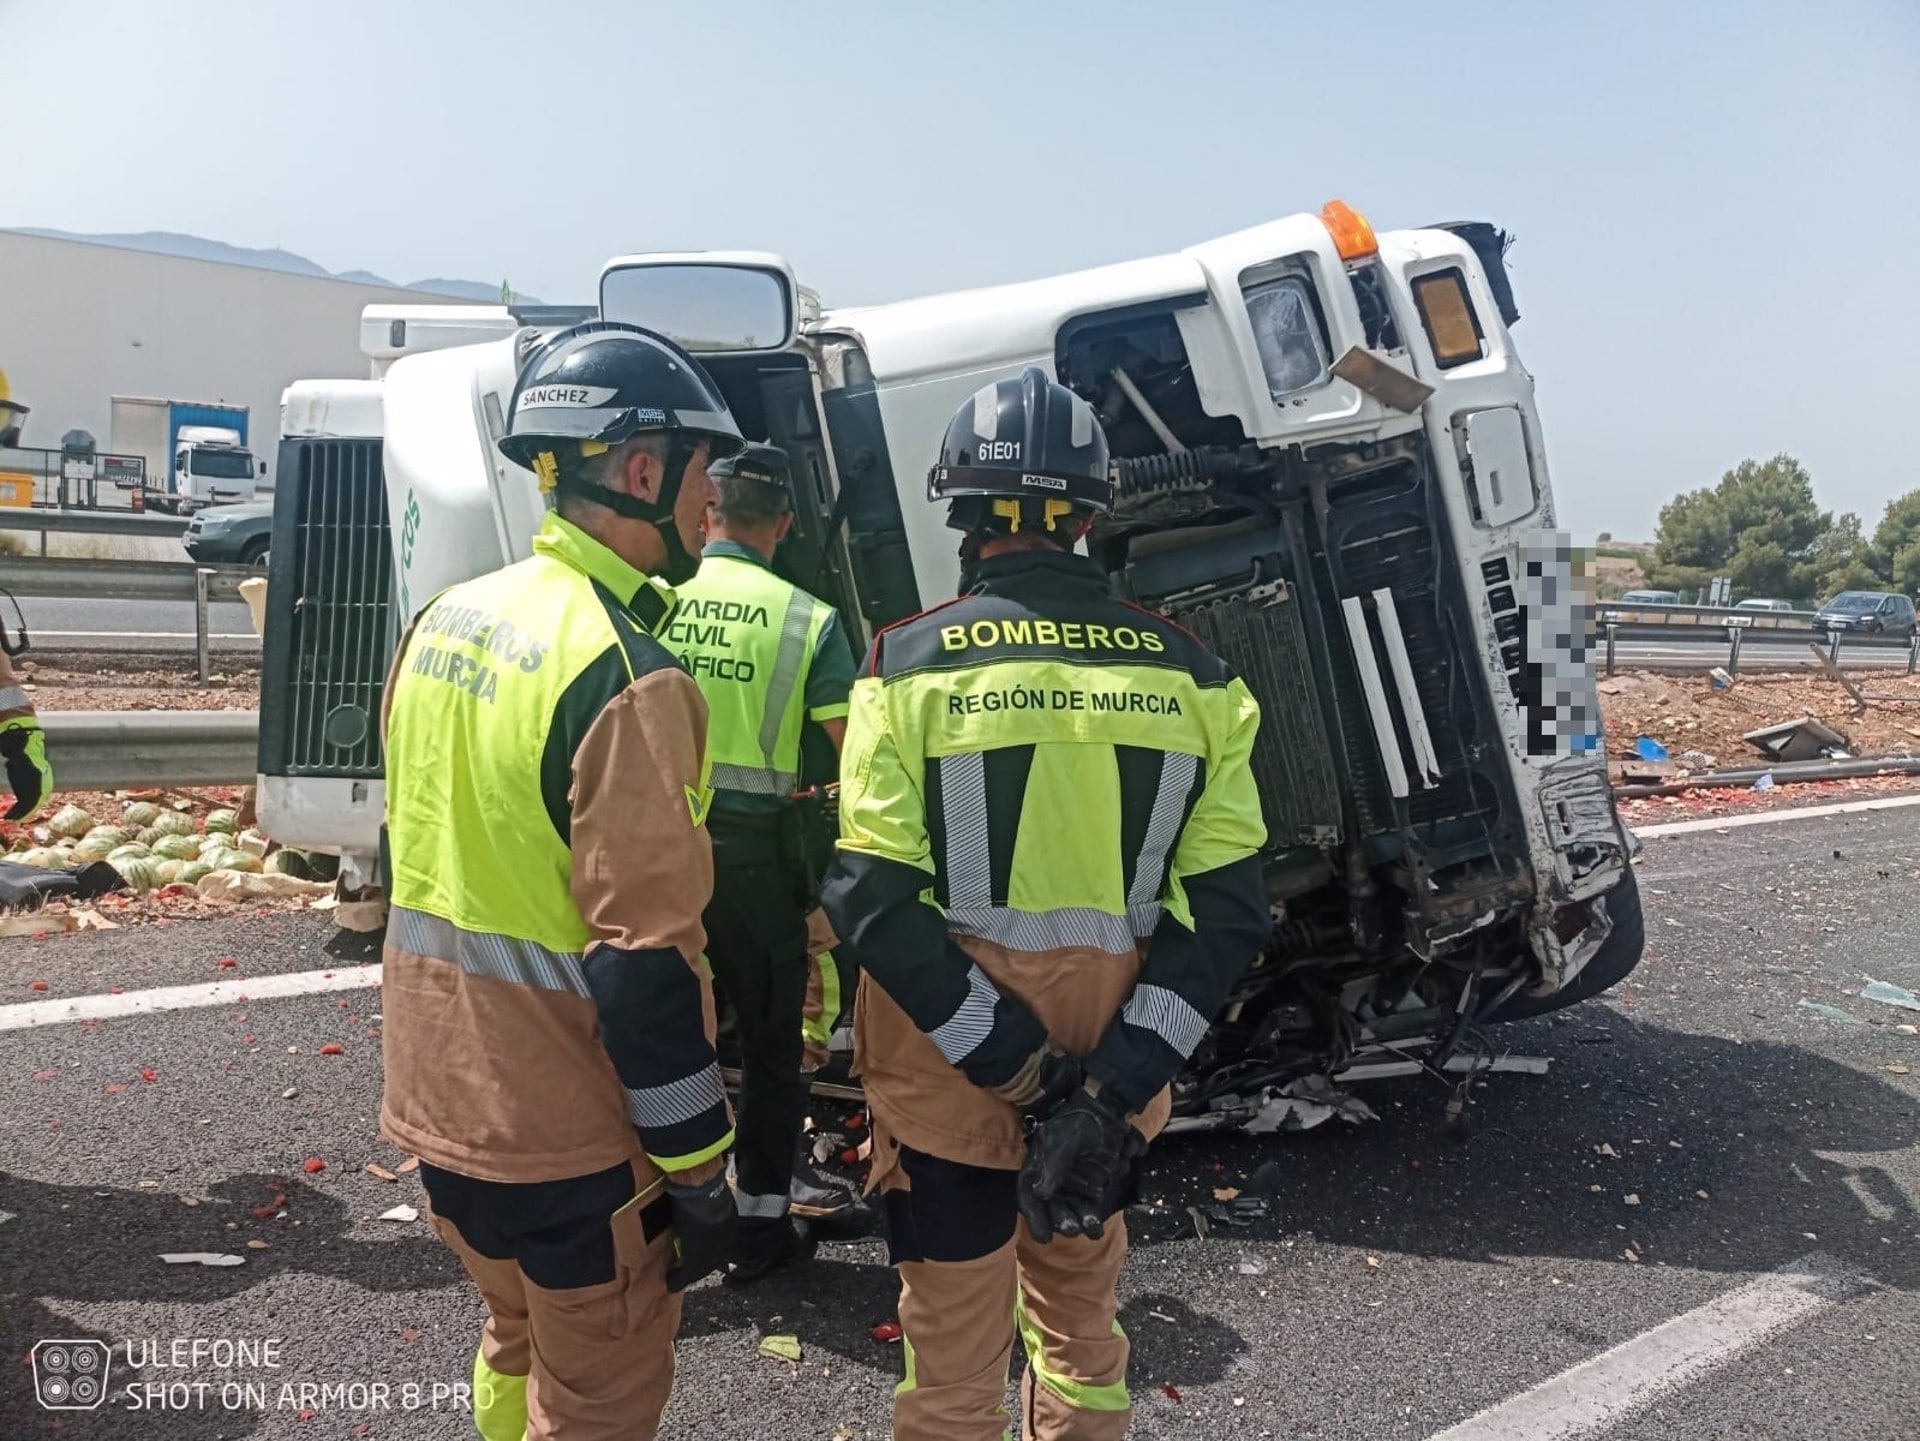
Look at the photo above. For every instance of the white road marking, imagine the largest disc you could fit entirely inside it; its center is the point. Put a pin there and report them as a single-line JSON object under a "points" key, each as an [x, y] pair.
{"points": [[1767, 818], [1600, 1391], [28, 1014]]}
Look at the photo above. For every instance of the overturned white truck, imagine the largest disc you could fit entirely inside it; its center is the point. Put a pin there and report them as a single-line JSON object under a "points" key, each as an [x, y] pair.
{"points": [[1330, 467]]}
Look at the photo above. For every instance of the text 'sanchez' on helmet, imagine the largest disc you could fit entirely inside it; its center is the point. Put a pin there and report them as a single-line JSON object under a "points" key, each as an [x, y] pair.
{"points": [[597, 384]]}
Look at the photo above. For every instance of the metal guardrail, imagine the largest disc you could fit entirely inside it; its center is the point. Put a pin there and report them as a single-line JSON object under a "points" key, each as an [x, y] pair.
{"points": [[91, 522], [88, 579], [1737, 637], [1613, 612], [103, 750]]}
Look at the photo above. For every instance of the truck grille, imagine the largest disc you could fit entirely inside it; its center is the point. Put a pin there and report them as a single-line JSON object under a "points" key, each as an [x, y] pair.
{"points": [[329, 612], [1380, 533], [1261, 635]]}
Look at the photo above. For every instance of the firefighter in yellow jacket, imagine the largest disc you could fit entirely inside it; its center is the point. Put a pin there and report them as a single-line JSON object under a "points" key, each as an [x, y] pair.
{"points": [[23, 745], [548, 1018], [1047, 873]]}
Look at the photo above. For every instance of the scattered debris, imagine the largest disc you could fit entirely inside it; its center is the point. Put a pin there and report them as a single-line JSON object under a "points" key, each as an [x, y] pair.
{"points": [[1163, 1316], [1765, 783], [1897, 1069], [781, 1348], [1303, 1104], [1632, 1198], [379, 1172], [289, 1093], [1649, 749], [333, 1048], [1172, 1391], [1832, 1013], [1889, 994], [400, 1213], [1805, 739], [1226, 1193], [1250, 1266], [1199, 1222], [887, 1331], [202, 1258], [257, 1246], [1703, 1195], [313, 1165], [189, 1200], [1374, 1262], [412, 1163], [1604, 1149]]}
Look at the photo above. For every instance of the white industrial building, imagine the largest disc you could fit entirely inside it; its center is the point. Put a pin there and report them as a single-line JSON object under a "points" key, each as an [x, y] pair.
{"points": [[82, 322]]}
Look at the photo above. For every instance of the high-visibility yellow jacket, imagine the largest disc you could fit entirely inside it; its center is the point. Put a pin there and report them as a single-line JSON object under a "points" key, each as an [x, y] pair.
{"points": [[768, 657], [1048, 831], [23, 747], [545, 995]]}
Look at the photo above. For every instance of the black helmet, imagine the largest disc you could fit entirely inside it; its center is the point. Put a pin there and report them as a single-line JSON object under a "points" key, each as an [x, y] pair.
{"points": [[604, 381], [764, 465], [597, 384], [1025, 439]]}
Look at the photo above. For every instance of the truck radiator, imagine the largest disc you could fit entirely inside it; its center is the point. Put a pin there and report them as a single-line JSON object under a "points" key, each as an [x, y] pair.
{"points": [[329, 612], [1261, 635]]}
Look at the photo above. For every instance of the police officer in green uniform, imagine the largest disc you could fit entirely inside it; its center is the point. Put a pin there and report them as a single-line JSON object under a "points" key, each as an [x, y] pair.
{"points": [[770, 659]]}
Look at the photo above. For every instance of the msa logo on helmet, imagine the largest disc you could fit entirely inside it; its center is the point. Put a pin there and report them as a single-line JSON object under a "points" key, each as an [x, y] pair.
{"points": [[999, 450], [1043, 482], [585, 396]]}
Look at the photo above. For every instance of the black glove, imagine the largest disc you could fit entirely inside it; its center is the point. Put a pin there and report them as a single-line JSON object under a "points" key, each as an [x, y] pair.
{"points": [[1078, 1164], [1040, 1086], [703, 1225]]}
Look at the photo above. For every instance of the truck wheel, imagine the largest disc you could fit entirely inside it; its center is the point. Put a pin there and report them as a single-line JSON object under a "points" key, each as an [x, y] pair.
{"points": [[1619, 954]]}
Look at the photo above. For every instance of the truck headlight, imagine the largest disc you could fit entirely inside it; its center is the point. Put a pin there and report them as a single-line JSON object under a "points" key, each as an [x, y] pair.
{"points": [[1286, 331]]}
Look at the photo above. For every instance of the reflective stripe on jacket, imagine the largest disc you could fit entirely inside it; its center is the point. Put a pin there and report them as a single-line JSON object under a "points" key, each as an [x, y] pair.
{"points": [[1048, 831], [748, 638], [545, 993]]}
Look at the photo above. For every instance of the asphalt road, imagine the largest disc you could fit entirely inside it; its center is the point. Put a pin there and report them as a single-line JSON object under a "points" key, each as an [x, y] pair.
{"points": [[150, 625], [1404, 1283]]}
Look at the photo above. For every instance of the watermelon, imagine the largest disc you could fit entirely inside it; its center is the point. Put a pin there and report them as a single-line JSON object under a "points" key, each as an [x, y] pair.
{"points": [[223, 820], [140, 815], [172, 823], [108, 836], [177, 848], [45, 857], [139, 872], [70, 821], [132, 851]]}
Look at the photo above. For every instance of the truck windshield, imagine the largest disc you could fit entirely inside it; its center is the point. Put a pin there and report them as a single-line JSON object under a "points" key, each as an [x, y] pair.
{"points": [[222, 464]]}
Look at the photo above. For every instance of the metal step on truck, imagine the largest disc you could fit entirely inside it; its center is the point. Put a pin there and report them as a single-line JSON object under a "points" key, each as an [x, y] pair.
{"points": [[1330, 467]]}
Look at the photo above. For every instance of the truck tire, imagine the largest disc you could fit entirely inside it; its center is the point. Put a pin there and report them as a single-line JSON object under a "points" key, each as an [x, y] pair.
{"points": [[1619, 954]]}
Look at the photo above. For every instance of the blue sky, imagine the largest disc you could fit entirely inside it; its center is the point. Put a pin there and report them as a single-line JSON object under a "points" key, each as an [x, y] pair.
{"points": [[1717, 205]]}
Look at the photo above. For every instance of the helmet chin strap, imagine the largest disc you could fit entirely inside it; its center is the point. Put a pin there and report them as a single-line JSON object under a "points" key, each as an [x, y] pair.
{"points": [[680, 564]]}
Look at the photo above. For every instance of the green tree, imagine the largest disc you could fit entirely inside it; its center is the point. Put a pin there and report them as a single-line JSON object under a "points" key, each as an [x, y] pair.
{"points": [[1759, 525], [1896, 543], [1844, 560]]}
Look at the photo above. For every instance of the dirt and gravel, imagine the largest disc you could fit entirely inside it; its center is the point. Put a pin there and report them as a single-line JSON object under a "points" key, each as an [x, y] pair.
{"points": [[1689, 713], [80, 681]]}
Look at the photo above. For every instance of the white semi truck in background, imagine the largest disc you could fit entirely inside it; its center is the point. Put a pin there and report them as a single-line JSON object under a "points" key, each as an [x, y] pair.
{"points": [[1330, 467], [195, 452]]}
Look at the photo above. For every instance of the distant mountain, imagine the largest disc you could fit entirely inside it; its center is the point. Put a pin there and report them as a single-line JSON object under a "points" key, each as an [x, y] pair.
{"points": [[194, 247]]}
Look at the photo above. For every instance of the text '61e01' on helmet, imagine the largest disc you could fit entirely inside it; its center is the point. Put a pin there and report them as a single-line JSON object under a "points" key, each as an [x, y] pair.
{"points": [[1024, 451], [595, 385]]}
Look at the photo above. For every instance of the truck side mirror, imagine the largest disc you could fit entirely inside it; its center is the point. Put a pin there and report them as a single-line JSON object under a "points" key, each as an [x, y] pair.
{"points": [[263, 469]]}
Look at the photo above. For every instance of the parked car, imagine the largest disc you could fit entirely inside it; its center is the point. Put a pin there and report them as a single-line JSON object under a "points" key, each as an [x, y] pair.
{"points": [[1650, 597], [1756, 603], [1875, 612], [231, 534]]}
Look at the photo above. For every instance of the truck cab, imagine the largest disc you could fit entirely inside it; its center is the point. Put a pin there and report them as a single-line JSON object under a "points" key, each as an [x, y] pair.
{"points": [[1330, 467], [211, 466]]}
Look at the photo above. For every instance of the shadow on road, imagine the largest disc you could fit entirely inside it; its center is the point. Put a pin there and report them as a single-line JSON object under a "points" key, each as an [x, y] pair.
{"points": [[1792, 1151], [86, 1244]]}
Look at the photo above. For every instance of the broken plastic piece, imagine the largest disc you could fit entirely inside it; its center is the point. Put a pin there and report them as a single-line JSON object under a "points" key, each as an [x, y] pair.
{"points": [[1649, 749], [202, 1258], [781, 1348]]}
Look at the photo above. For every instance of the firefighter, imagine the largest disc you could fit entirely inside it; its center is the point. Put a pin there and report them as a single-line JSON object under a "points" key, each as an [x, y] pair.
{"points": [[548, 1021], [1047, 873], [770, 659], [23, 745]]}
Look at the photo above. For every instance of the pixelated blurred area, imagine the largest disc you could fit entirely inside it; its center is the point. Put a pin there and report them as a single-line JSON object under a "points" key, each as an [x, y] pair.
{"points": [[1558, 628]]}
